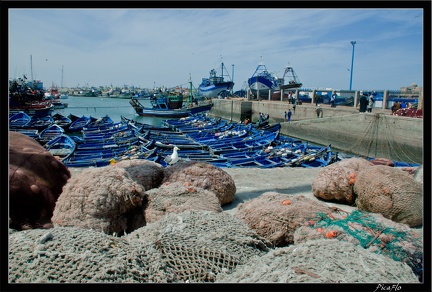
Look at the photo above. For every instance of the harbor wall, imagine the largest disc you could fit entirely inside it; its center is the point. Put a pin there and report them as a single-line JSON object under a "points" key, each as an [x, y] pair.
{"points": [[376, 134]]}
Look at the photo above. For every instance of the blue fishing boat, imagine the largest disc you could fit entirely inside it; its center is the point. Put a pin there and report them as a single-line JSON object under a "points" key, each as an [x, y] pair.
{"points": [[40, 123], [50, 132], [61, 146], [19, 120], [62, 121], [215, 85], [101, 123], [79, 124]]}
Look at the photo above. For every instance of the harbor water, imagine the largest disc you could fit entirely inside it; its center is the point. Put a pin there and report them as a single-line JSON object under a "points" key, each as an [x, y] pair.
{"points": [[101, 106]]}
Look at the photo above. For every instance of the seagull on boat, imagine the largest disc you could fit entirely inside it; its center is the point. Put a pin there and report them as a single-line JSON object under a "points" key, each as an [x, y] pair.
{"points": [[173, 158]]}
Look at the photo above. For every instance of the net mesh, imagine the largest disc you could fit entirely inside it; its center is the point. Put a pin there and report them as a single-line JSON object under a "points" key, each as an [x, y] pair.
{"points": [[75, 255], [197, 245], [320, 261], [373, 232]]}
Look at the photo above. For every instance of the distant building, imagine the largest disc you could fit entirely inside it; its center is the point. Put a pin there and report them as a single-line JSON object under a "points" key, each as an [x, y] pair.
{"points": [[413, 88]]}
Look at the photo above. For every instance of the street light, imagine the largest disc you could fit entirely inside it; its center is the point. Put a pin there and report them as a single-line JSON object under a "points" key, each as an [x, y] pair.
{"points": [[352, 62], [232, 79]]}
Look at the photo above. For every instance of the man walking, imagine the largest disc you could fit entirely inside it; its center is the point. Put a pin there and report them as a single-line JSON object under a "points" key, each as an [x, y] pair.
{"points": [[289, 115]]}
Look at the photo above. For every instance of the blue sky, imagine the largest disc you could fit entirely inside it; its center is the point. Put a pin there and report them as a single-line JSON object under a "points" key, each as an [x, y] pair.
{"points": [[163, 47]]}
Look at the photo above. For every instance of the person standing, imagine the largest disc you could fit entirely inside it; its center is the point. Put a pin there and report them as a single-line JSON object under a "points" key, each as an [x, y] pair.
{"points": [[286, 116], [333, 99], [363, 102], [316, 98], [289, 115], [319, 111], [370, 104], [294, 104]]}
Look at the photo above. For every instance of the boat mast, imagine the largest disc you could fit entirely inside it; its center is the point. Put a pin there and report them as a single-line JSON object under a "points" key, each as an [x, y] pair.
{"points": [[31, 67], [61, 85], [190, 89]]}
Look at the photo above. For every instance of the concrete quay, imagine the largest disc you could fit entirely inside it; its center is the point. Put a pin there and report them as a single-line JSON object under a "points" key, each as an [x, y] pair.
{"points": [[376, 134]]}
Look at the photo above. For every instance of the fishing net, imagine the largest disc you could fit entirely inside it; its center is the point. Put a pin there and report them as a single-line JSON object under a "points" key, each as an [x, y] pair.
{"points": [[418, 174], [275, 216], [147, 173], [335, 181], [205, 176], [371, 231], [176, 198], [36, 179], [392, 192], [76, 255], [104, 198], [197, 245], [320, 261]]}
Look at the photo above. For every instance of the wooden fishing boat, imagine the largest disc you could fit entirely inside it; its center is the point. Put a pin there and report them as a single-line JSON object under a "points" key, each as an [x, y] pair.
{"points": [[61, 146], [40, 123], [19, 120], [50, 132], [79, 123], [28, 96], [62, 121], [171, 105], [101, 123]]}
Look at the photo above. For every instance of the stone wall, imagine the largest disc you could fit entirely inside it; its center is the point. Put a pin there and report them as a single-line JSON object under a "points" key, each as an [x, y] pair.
{"points": [[376, 134]]}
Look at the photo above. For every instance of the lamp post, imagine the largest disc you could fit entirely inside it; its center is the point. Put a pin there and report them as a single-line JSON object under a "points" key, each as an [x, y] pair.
{"points": [[232, 89], [352, 62]]}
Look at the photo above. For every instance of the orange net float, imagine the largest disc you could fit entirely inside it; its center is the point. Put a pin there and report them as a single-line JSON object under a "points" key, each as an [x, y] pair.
{"points": [[320, 230], [286, 202], [331, 234]]}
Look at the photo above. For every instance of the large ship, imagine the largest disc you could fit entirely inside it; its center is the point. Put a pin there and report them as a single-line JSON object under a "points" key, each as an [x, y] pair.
{"points": [[171, 105], [216, 85], [263, 83], [28, 97]]}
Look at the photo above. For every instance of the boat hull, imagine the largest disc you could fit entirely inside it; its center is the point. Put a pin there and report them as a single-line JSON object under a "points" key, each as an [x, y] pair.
{"points": [[168, 113], [261, 85], [33, 111], [214, 90]]}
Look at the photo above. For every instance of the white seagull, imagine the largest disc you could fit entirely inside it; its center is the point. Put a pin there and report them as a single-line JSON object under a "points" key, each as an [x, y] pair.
{"points": [[173, 158]]}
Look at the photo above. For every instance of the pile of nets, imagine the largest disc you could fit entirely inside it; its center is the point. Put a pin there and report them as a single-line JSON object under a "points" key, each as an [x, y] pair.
{"points": [[178, 197], [193, 246], [372, 232], [106, 198], [205, 176], [77, 255], [391, 192], [335, 182], [275, 216], [320, 261], [197, 245]]}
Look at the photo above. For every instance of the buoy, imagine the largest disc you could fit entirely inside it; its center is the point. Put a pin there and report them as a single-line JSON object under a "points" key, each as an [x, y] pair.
{"points": [[286, 202], [331, 234]]}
